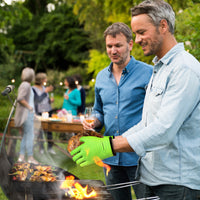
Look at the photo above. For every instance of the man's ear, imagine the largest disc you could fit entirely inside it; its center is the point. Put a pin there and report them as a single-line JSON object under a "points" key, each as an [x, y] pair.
{"points": [[164, 26], [130, 45]]}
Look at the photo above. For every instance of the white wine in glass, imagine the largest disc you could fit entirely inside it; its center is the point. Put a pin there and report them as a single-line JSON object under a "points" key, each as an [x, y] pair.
{"points": [[89, 115]]}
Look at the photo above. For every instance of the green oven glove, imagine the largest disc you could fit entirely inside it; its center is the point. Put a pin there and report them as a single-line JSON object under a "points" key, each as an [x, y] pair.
{"points": [[93, 148]]}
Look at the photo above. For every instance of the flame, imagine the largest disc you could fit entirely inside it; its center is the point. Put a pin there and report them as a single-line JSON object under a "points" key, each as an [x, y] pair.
{"points": [[76, 190], [100, 163]]}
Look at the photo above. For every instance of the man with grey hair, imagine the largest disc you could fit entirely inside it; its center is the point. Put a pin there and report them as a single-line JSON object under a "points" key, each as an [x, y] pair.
{"points": [[167, 138], [119, 96]]}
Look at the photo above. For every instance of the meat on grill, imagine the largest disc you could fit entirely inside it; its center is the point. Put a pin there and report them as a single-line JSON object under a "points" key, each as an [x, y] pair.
{"points": [[33, 173]]}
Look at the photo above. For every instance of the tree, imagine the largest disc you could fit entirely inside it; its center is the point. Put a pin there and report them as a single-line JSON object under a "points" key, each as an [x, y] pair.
{"points": [[36, 7], [187, 29], [55, 39], [63, 42], [9, 16]]}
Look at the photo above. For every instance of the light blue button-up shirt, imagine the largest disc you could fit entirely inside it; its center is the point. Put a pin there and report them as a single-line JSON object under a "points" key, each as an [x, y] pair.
{"points": [[168, 137], [120, 106]]}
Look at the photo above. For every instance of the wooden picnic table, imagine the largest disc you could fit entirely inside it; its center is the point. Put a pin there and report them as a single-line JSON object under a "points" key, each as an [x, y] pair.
{"points": [[54, 126], [58, 126]]}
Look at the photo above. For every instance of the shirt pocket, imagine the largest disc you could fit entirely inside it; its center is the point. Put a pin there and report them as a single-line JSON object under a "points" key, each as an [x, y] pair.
{"points": [[157, 92], [156, 95]]}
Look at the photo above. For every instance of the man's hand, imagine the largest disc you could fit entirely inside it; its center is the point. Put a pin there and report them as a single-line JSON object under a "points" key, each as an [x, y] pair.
{"points": [[91, 149], [88, 126]]}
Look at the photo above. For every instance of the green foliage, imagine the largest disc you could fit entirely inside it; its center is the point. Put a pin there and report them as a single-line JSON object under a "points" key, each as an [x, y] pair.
{"points": [[63, 41], [52, 40], [36, 7], [55, 76], [2, 196], [188, 26], [12, 14], [97, 61], [177, 4], [9, 15], [121, 12], [6, 48], [91, 15], [58, 96]]}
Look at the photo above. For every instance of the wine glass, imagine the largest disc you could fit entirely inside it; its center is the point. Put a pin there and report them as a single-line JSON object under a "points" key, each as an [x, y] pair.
{"points": [[90, 115]]}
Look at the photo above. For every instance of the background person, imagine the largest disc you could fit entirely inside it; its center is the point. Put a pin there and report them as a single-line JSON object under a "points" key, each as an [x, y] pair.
{"points": [[24, 115], [43, 104], [72, 96], [119, 97], [167, 138]]}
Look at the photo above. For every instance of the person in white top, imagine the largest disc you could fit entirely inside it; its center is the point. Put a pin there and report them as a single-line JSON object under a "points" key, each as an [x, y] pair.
{"points": [[43, 104]]}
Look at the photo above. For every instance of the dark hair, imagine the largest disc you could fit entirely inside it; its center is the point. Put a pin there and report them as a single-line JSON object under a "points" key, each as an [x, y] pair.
{"points": [[118, 28], [71, 82], [156, 10], [78, 78]]}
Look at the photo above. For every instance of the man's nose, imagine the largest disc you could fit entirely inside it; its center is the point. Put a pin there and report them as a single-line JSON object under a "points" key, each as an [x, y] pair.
{"points": [[138, 39], [113, 49]]}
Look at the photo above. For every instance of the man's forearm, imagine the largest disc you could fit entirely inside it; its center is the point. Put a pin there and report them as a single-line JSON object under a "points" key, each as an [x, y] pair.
{"points": [[120, 144]]}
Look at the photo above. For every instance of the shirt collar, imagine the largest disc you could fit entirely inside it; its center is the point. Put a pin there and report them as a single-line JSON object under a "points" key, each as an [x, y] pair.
{"points": [[169, 55]]}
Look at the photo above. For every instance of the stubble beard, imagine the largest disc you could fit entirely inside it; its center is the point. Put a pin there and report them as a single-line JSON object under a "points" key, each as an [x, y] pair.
{"points": [[154, 48], [123, 59], [154, 45]]}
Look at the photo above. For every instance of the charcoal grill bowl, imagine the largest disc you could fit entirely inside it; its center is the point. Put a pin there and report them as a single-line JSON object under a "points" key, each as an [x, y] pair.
{"points": [[42, 190]]}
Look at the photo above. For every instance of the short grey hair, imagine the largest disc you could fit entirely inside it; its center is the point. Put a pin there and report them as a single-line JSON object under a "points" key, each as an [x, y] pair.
{"points": [[28, 74], [118, 28], [156, 10]]}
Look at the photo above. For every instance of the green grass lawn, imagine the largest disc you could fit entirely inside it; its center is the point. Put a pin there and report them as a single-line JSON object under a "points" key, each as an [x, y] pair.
{"points": [[2, 196]]}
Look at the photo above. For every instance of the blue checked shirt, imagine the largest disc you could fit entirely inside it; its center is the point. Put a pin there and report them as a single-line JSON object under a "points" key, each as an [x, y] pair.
{"points": [[120, 106], [168, 137]]}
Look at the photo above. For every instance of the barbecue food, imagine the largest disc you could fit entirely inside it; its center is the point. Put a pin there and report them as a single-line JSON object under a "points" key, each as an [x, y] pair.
{"points": [[33, 173], [74, 140]]}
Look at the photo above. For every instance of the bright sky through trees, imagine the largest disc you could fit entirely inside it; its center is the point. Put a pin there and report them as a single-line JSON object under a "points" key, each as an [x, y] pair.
{"points": [[10, 1]]}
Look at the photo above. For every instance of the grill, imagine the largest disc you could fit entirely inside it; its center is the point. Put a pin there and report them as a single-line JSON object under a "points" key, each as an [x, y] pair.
{"points": [[52, 191], [26, 190], [43, 190]]}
